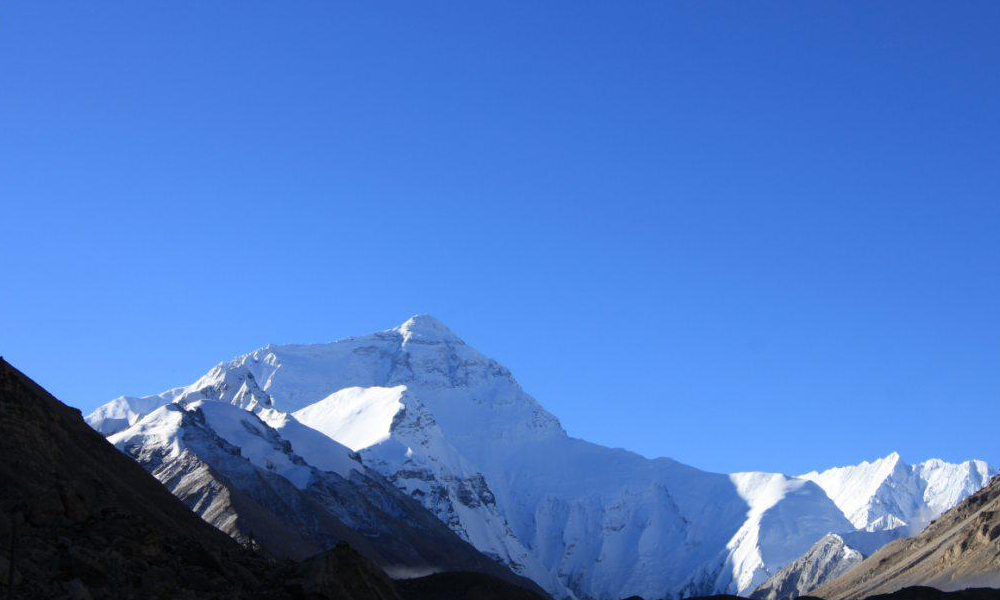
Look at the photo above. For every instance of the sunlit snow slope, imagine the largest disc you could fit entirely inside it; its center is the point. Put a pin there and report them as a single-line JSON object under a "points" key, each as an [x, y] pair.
{"points": [[887, 493]]}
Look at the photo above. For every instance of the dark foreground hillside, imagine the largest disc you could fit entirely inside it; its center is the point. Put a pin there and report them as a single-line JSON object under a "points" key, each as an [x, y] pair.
{"points": [[82, 521]]}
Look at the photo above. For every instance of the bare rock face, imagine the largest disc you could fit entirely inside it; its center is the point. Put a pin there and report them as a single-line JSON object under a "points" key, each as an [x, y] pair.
{"points": [[960, 549], [829, 558]]}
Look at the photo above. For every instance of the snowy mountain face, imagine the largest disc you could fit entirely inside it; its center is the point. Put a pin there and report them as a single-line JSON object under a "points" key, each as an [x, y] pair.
{"points": [[265, 479], [234, 386], [887, 493], [453, 430], [785, 516]]}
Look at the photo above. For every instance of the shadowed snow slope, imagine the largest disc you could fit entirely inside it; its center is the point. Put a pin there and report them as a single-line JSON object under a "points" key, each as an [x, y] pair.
{"points": [[786, 516], [453, 430]]}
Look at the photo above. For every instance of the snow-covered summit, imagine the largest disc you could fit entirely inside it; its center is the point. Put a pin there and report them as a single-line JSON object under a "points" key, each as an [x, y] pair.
{"points": [[122, 412], [425, 328]]}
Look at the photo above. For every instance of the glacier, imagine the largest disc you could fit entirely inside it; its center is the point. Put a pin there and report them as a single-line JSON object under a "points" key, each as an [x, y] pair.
{"points": [[453, 430]]}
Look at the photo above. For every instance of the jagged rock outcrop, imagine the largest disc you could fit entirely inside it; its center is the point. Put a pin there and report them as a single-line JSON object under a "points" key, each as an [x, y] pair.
{"points": [[829, 558]]}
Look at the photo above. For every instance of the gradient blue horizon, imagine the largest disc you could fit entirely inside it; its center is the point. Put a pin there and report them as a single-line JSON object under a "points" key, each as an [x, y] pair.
{"points": [[746, 236]]}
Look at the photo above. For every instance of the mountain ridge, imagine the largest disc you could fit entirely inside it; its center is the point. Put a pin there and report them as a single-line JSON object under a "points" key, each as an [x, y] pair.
{"points": [[580, 519]]}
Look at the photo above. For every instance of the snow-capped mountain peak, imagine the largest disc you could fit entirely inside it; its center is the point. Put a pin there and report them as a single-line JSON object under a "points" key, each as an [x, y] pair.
{"points": [[888, 493], [122, 412], [426, 329], [454, 430], [229, 383], [855, 489]]}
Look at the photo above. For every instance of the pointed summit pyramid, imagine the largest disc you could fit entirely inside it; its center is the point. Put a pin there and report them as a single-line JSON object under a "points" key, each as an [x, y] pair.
{"points": [[878, 495], [425, 328]]}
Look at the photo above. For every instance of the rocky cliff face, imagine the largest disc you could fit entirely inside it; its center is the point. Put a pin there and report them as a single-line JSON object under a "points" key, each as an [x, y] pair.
{"points": [[829, 558]]}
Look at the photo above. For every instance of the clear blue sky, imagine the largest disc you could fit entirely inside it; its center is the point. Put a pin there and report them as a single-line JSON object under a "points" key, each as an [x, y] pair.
{"points": [[743, 235]]}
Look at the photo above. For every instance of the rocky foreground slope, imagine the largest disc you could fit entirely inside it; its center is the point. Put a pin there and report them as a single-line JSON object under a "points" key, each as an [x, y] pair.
{"points": [[960, 549]]}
